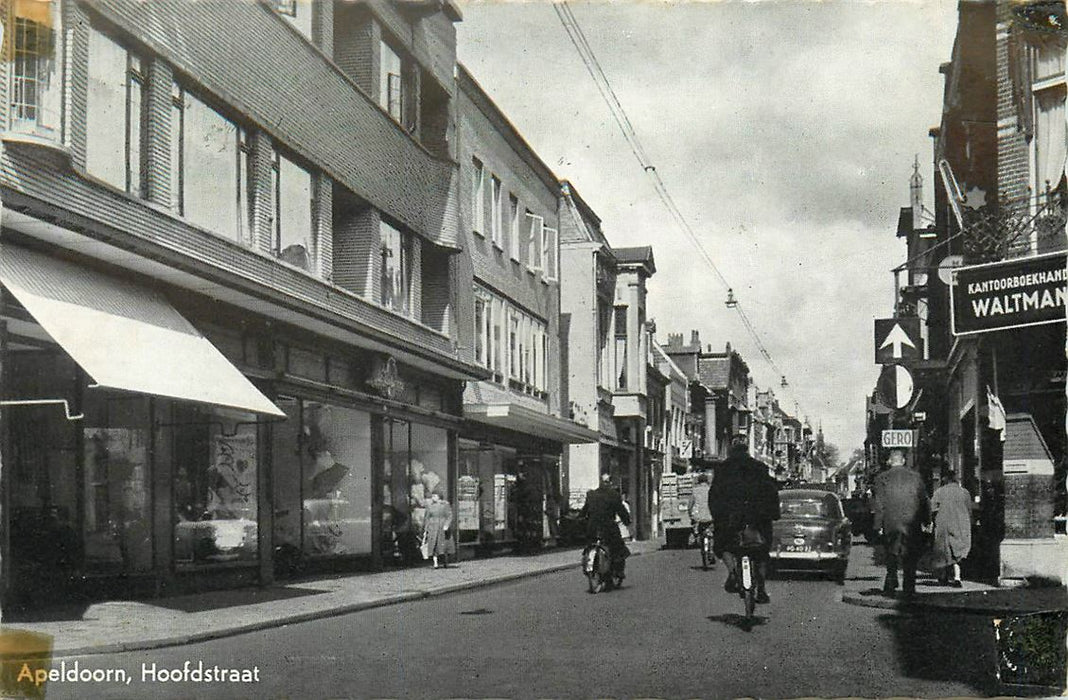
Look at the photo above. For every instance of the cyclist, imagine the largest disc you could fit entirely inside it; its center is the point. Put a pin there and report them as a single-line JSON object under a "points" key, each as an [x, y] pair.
{"points": [[743, 493], [700, 516], [603, 505]]}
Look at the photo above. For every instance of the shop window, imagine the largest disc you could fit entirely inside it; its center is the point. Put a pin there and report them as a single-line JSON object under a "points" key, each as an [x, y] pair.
{"points": [[322, 481], [486, 507], [216, 467], [293, 202], [117, 521], [396, 267], [211, 160], [116, 112], [415, 465], [36, 82]]}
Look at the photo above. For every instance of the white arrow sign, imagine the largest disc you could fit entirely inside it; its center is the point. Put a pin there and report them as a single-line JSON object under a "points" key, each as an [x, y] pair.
{"points": [[896, 338]]}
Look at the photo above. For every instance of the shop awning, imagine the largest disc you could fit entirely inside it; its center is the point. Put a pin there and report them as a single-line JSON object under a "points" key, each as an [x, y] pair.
{"points": [[125, 336], [527, 420]]}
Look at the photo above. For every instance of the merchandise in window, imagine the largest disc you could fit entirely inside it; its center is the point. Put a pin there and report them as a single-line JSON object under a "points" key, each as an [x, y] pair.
{"points": [[322, 481], [416, 465], [216, 462]]}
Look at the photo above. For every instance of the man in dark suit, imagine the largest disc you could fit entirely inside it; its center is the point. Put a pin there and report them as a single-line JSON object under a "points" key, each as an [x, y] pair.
{"points": [[602, 506], [902, 508], [742, 493]]}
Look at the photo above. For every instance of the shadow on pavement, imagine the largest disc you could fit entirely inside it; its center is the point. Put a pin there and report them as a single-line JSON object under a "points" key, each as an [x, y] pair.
{"points": [[232, 599], [945, 647], [739, 621]]}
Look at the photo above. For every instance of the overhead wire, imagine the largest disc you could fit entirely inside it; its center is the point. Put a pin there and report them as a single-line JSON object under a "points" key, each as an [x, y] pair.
{"points": [[608, 93]]}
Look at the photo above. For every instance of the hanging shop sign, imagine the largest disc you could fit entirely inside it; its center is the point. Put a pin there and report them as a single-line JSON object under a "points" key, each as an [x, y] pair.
{"points": [[1011, 294]]}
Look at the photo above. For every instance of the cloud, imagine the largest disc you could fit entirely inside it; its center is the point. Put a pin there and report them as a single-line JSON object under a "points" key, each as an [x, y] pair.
{"points": [[785, 132]]}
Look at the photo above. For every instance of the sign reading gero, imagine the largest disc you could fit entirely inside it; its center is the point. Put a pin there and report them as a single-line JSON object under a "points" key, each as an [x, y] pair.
{"points": [[897, 438], [1011, 294]]}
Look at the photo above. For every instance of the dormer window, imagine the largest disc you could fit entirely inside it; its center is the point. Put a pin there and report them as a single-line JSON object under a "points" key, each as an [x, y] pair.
{"points": [[36, 88], [396, 90]]}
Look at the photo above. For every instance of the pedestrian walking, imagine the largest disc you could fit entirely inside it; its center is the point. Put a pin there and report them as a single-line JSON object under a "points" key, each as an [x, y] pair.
{"points": [[902, 509], [436, 538], [952, 508]]}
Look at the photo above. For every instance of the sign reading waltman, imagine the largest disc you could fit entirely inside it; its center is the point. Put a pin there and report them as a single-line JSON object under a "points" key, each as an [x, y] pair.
{"points": [[1010, 294]]}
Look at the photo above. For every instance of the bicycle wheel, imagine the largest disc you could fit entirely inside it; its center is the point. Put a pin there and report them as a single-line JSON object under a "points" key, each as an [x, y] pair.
{"points": [[750, 602], [706, 552]]}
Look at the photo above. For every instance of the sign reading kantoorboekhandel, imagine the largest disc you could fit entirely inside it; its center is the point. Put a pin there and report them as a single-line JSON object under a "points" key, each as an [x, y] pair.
{"points": [[1010, 294]]}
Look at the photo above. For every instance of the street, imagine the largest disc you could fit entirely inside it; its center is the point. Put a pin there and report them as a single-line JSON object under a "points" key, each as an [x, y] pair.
{"points": [[670, 632]]}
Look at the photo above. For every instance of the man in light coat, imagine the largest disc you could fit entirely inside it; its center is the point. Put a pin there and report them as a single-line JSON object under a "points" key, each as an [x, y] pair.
{"points": [[952, 507], [902, 509]]}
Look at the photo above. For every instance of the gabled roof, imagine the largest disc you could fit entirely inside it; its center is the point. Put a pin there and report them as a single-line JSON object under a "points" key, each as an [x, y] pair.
{"points": [[638, 256], [587, 223]]}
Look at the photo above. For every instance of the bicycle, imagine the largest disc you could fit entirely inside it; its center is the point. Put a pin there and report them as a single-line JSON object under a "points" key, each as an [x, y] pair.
{"points": [[747, 548], [705, 542], [598, 568]]}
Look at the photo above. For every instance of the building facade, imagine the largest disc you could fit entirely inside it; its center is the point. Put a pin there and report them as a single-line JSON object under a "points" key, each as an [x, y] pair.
{"points": [[228, 338], [512, 444]]}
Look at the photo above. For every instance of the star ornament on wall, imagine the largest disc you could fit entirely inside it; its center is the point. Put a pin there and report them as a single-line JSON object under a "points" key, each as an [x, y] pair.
{"points": [[974, 198]]}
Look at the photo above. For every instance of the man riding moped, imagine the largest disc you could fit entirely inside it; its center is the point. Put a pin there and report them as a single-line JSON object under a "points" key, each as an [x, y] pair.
{"points": [[743, 494], [603, 505]]}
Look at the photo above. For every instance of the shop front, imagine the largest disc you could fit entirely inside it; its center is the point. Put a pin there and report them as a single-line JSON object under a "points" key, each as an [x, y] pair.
{"points": [[509, 486], [142, 456]]}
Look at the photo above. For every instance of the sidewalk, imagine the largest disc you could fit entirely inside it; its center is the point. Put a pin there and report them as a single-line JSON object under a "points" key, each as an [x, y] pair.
{"points": [[117, 626], [864, 581]]}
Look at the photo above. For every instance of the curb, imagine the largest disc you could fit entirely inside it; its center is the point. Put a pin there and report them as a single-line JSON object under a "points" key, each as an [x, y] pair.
{"points": [[921, 605], [394, 599]]}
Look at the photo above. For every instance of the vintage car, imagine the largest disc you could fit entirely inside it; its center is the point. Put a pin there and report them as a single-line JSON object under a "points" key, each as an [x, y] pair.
{"points": [[812, 533]]}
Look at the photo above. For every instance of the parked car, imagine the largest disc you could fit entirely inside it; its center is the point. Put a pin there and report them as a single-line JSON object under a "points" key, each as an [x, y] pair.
{"points": [[858, 510], [813, 533]]}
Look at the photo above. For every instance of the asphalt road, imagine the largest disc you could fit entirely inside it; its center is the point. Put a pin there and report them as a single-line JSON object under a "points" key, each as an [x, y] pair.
{"points": [[670, 632]]}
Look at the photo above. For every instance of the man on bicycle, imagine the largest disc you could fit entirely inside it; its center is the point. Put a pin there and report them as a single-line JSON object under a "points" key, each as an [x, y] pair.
{"points": [[700, 516], [742, 493], [603, 505]]}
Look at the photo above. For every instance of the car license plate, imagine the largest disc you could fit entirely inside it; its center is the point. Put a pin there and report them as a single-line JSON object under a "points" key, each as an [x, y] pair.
{"points": [[797, 548]]}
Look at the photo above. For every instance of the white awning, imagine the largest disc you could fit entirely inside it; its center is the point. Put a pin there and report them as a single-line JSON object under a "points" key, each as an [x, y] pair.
{"points": [[125, 336], [525, 420]]}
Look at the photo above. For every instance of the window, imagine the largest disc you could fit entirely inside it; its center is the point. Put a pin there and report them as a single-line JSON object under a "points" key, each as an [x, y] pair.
{"points": [[497, 321], [1049, 97], [213, 177], [621, 347], [513, 226], [36, 89], [396, 264], [513, 346], [115, 99], [495, 212], [482, 328], [534, 243], [478, 201], [550, 245], [293, 212], [544, 386], [390, 95], [298, 13]]}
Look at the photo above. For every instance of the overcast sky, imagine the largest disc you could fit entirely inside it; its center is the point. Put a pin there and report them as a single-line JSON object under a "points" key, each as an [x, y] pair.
{"points": [[784, 131]]}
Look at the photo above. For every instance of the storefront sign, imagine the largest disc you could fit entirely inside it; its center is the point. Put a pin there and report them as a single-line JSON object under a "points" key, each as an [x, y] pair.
{"points": [[897, 438], [1012, 294]]}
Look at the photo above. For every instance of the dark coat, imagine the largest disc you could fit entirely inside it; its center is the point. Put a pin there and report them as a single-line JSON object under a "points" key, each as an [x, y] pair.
{"points": [[901, 503], [742, 493], [602, 506]]}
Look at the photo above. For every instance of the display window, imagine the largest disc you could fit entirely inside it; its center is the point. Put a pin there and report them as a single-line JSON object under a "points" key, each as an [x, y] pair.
{"points": [[321, 481], [415, 465], [486, 508], [216, 465]]}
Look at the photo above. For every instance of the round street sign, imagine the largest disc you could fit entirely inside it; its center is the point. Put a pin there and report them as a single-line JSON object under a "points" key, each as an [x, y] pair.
{"points": [[895, 386], [945, 268]]}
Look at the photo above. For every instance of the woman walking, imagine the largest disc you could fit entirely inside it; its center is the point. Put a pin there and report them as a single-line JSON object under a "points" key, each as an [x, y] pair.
{"points": [[952, 506], [436, 530]]}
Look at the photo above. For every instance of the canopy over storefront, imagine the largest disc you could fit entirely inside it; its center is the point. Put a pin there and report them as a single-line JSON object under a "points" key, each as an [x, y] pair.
{"points": [[125, 336]]}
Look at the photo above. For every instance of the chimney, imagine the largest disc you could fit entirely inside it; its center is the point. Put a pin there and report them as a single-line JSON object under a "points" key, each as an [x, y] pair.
{"points": [[695, 340], [728, 347]]}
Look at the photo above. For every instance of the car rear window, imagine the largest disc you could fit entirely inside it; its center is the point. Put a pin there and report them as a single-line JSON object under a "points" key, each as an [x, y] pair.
{"points": [[803, 506]]}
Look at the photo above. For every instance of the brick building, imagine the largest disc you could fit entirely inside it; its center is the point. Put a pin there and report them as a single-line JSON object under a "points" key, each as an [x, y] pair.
{"points": [[512, 446], [230, 280]]}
